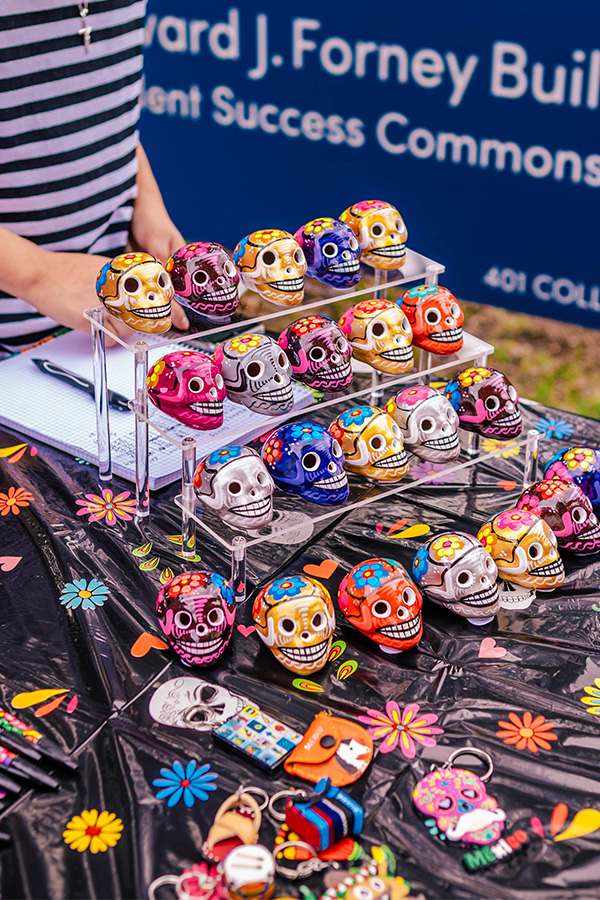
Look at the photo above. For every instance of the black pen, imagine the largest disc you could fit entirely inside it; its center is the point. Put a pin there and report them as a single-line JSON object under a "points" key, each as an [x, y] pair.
{"points": [[116, 401]]}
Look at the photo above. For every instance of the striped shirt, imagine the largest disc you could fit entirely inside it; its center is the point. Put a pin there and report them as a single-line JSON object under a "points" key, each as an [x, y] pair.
{"points": [[68, 133]]}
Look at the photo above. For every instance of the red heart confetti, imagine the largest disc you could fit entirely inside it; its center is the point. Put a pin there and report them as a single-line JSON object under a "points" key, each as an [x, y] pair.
{"points": [[246, 630], [325, 569], [488, 649]]}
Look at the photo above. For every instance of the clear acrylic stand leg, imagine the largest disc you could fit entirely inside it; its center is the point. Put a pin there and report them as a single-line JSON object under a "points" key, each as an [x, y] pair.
{"points": [[188, 524], [380, 282], [238, 567], [376, 391], [142, 485], [431, 275], [531, 455], [101, 395], [473, 444]]}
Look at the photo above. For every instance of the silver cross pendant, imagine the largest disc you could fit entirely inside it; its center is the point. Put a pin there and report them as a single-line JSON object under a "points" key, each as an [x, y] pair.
{"points": [[85, 31]]}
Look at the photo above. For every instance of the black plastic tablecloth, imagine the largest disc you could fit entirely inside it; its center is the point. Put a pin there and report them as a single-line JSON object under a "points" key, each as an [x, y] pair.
{"points": [[538, 660]]}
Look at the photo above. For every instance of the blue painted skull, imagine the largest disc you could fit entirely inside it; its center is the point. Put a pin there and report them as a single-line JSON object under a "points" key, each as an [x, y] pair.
{"points": [[332, 252], [304, 458]]}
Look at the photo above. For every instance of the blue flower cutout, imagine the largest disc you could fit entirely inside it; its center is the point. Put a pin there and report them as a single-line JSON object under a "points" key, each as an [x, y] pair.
{"points": [[420, 563], [191, 783], [370, 575], [421, 291], [355, 416], [434, 831], [224, 455], [102, 275], [224, 586], [554, 428], [80, 593], [453, 394], [240, 250], [287, 587], [306, 431]]}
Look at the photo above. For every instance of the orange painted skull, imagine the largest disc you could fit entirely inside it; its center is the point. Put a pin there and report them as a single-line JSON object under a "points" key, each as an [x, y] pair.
{"points": [[435, 317]]}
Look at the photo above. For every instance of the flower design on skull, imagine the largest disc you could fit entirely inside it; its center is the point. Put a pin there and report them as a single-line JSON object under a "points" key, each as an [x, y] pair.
{"points": [[515, 521], [370, 575], [487, 537], [473, 376], [446, 546], [245, 343], [420, 564], [357, 416], [579, 457], [287, 586]]}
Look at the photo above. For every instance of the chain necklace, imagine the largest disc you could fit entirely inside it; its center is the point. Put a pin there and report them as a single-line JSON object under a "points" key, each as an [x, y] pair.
{"points": [[86, 30]]}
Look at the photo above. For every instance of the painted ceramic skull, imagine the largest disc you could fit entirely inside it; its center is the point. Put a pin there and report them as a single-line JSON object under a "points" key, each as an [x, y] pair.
{"points": [[295, 618], [379, 598], [272, 264], [454, 570], [461, 806], [524, 548], [332, 252], [318, 352], [566, 509], [234, 483], [580, 465], [136, 288], [205, 279], [381, 232], [435, 317], [190, 702], [196, 611], [371, 442], [428, 422], [486, 402], [188, 386], [257, 373], [303, 458], [380, 335]]}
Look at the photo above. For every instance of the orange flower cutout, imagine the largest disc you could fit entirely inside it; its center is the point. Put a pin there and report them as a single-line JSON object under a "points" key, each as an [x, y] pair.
{"points": [[16, 498], [529, 734]]}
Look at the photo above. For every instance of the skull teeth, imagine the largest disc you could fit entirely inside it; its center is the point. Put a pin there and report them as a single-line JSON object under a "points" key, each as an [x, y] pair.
{"points": [[443, 443], [554, 568], [396, 250], [209, 408], [204, 647], [256, 508], [352, 265], [333, 483], [403, 629], [453, 334], [398, 353], [154, 312], [291, 284], [279, 396], [223, 293], [585, 540], [481, 598], [310, 654], [396, 461]]}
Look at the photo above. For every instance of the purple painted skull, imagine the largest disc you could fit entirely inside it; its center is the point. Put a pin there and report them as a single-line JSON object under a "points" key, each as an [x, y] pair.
{"points": [[188, 386], [256, 373], [332, 252], [205, 279], [318, 352], [461, 806], [567, 511], [486, 402], [196, 611], [580, 465]]}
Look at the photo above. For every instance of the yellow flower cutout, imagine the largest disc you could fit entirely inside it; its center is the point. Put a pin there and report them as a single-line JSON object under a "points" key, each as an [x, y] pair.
{"points": [[245, 343], [579, 456], [507, 448], [472, 376], [487, 537], [155, 372], [446, 546], [93, 831]]}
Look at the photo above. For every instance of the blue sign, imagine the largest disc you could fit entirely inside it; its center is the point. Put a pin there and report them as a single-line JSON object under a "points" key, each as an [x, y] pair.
{"points": [[479, 122]]}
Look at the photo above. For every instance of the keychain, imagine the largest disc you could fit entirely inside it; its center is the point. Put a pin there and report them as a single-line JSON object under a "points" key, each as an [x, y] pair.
{"points": [[459, 810]]}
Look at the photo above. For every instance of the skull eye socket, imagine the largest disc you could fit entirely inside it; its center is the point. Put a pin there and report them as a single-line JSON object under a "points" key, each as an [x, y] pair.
{"points": [[465, 578], [219, 382], [409, 596], [512, 393], [433, 316], [379, 329], [132, 284], [311, 461], [318, 621], [182, 619], [489, 563], [427, 425], [229, 269], [399, 225], [455, 310], [215, 617], [283, 361], [535, 550], [207, 693], [287, 625], [579, 515], [270, 257], [377, 442], [377, 229], [330, 250], [200, 278], [262, 478], [316, 354], [492, 403], [196, 385], [405, 324], [445, 803], [163, 280], [299, 258], [396, 430], [381, 609], [342, 344], [234, 487], [470, 794], [255, 370], [353, 244], [336, 449]]}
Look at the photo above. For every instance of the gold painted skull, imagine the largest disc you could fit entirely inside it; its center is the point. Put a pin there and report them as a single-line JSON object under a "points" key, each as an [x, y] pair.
{"points": [[381, 232], [524, 548], [380, 335], [272, 263], [372, 443], [136, 288]]}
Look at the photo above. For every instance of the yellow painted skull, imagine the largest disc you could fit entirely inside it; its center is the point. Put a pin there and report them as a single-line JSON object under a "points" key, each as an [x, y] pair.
{"points": [[372, 443], [380, 335], [524, 548], [294, 617], [381, 232], [272, 263], [136, 288]]}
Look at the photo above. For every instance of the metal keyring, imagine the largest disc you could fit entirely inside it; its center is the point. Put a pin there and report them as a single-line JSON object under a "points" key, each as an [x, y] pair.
{"points": [[160, 882], [257, 791], [205, 883], [280, 816], [305, 867], [473, 751]]}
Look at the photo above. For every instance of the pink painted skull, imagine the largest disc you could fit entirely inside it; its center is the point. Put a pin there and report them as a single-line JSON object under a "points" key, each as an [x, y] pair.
{"points": [[567, 511], [318, 352], [460, 805], [196, 611], [188, 386], [205, 279]]}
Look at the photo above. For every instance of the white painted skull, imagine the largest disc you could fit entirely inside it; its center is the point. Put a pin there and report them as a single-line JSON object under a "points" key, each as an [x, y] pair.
{"points": [[194, 703], [428, 421], [235, 482], [257, 373]]}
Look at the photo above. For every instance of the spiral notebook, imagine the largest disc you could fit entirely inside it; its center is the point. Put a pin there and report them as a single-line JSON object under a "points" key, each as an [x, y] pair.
{"points": [[50, 411]]}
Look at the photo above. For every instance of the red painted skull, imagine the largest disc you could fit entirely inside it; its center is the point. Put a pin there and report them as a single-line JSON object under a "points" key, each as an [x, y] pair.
{"points": [[567, 511], [435, 317]]}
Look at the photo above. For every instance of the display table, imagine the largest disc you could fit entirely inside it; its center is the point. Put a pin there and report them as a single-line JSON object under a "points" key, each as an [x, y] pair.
{"points": [[534, 661]]}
